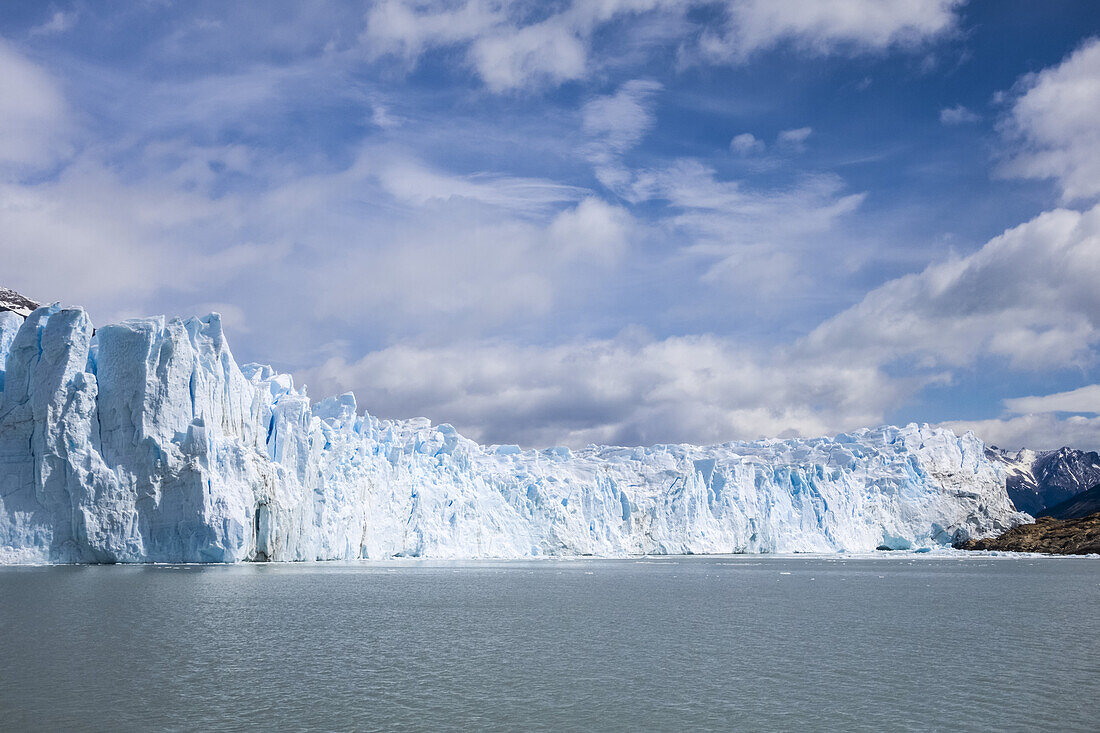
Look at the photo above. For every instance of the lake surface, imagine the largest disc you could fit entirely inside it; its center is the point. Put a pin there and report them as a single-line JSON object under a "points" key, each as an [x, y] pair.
{"points": [[744, 643]]}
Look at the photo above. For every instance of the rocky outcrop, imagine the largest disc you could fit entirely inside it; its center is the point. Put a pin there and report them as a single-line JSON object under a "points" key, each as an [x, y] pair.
{"points": [[1048, 535]]}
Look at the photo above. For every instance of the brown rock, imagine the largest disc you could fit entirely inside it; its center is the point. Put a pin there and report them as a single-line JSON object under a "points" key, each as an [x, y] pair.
{"points": [[1053, 536]]}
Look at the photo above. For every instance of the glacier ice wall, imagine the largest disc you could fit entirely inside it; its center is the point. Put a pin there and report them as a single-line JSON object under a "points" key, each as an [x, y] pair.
{"points": [[144, 441]]}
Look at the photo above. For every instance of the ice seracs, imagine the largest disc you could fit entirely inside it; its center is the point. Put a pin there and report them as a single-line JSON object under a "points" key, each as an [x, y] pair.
{"points": [[144, 441]]}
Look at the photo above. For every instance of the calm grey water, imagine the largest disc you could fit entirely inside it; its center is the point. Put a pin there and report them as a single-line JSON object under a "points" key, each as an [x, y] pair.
{"points": [[680, 644]]}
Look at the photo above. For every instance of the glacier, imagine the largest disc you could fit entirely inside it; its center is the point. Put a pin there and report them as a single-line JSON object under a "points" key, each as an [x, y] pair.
{"points": [[144, 441]]}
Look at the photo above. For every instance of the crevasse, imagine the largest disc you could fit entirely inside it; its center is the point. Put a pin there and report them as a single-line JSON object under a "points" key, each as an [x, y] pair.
{"points": [[145, 442]]}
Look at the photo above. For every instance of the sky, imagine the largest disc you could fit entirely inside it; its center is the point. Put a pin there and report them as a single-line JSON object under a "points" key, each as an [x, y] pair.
{"points": [[578, 221]]}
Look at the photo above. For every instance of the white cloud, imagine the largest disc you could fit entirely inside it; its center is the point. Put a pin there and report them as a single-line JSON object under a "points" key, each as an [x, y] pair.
{"points": [[1052, 125], [746, 143], [1081, 400], [546, 52], [1044, 431], [594, 231], [1034, 422], [958, 115], [620, 120], [398, 246], [89, 238], [408, 29], [637, 389], [33, 114], [233, 316], [505, 50], [755, 242], [727, 212], [382, 117], [408, 180], [511, 48], [828, 26], [352, 249], [1028, 296], [632, 389], [59, 22], [794, 139], [615, 124]]}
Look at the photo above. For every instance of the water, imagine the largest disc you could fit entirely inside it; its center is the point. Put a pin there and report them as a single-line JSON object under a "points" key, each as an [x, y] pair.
{"points": [[743, 643]]}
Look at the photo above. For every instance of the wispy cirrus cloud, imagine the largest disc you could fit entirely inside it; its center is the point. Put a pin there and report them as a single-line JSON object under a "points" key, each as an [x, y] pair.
{"points": [[35, 121], [958, 115]]}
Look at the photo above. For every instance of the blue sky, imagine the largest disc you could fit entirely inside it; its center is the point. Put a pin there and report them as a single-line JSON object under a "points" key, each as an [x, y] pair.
{"points": [[626, 221]]}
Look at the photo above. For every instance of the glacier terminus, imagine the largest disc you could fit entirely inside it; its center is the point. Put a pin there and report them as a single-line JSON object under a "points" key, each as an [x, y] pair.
{"points": [[144, 441]]}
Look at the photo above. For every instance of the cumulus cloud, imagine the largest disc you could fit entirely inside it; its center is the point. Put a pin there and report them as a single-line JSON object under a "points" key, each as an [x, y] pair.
{"points": [[550, 51], [1044, 422], [483, 292], [1044, 431], [593, 231], [628, 390], [1052, 128], [958, 115], [828, 26], [1028, 297]]}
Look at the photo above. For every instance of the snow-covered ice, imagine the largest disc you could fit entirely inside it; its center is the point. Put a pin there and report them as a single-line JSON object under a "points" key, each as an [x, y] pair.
{"points": [[146, 442]]}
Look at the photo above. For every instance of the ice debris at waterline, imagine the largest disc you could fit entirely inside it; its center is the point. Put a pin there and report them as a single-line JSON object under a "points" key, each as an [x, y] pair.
{"points": [[146, 442]]}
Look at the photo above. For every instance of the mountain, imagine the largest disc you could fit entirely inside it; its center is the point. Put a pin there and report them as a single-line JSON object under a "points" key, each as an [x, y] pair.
{"points": [[16, 303], [1037, 480], [1076, 507], [144, 441]]}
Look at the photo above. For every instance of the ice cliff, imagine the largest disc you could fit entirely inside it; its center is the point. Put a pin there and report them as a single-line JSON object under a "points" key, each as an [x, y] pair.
{"points": [[144, 441]]}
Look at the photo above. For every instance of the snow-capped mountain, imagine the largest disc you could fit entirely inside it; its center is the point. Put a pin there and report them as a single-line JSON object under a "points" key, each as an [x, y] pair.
{"points": [[16, 303], [1037, 480], [1078, 506], [144, 441]]}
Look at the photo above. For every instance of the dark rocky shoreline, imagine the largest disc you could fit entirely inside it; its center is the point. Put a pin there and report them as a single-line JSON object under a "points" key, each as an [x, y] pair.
{"points": [[1079, 536]]}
